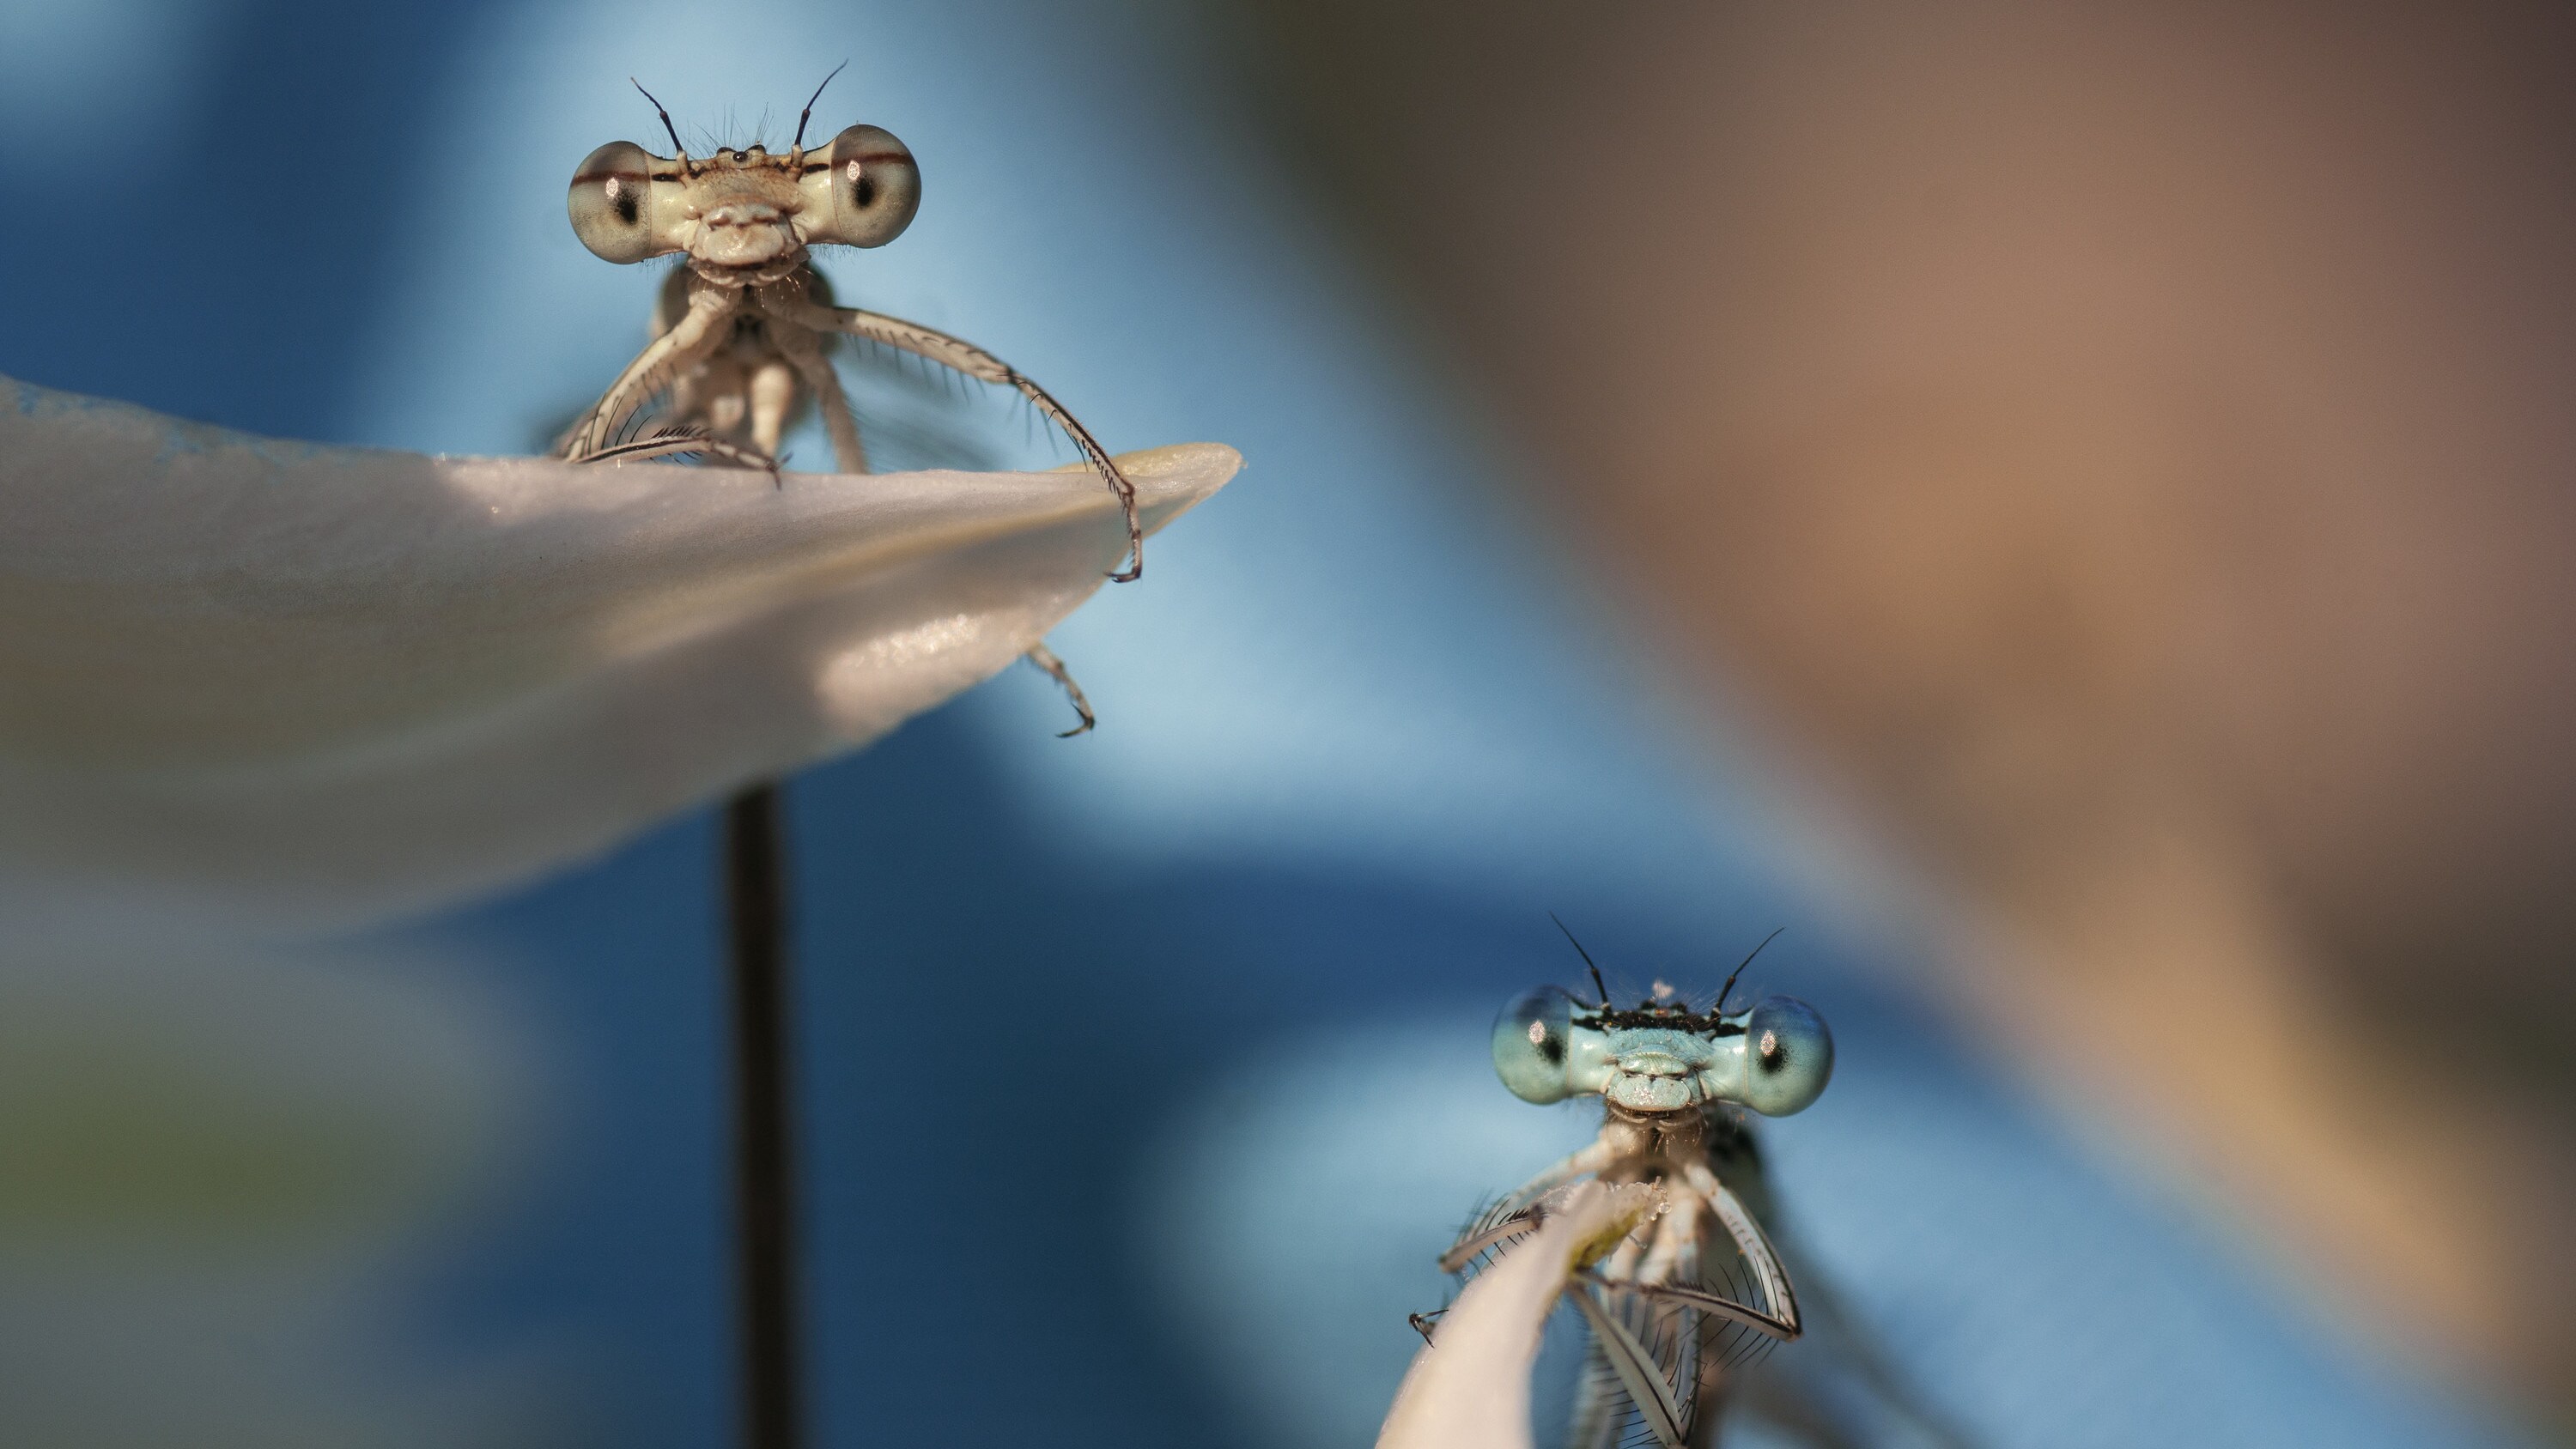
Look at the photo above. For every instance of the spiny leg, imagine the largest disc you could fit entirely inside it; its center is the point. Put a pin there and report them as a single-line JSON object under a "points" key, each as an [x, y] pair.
{"points": [[799, 346], [1640, 1375], [1593, 1156], [1753, 1244], [1680, 1330], [1668, 1337], [790, 303], [682, 443], [709, 403], [1668, 1333], [1779, 1315], [690, 340], [1044, 658], [1502, 1219], [1711, 1392]]}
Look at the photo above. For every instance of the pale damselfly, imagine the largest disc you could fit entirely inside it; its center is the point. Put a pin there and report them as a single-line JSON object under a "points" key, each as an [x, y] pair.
{"points": [[1697, 1291]]}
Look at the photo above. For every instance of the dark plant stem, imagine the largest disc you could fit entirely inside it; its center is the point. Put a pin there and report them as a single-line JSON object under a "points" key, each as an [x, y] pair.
{"points": [[755, 868]]}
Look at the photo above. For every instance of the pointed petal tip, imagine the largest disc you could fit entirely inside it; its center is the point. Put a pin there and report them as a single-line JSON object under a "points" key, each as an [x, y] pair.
{"points": [[1175, 478], [1201, 468], [309, 687]]}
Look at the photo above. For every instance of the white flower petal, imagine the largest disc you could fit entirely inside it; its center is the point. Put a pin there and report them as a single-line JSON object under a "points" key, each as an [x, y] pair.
{"points": [[304, 686], [1469, 1388]]}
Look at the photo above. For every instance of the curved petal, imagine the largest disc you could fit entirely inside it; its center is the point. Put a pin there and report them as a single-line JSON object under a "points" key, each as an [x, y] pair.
{"points": [[1469, 1388], [305, 686]]}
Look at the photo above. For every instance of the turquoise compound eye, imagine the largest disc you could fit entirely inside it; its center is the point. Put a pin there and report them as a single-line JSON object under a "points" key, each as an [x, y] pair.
{"points": [[1788, 1056], [1531, 1039]]}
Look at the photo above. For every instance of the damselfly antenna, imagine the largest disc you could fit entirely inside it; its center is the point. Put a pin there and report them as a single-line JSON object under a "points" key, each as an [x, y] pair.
{"points": [[674, 132], [1587, 961], [807, 114], [1720, 1008]]}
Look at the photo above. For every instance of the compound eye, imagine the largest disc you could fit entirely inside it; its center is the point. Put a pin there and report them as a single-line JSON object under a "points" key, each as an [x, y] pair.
{"points": [[1531, 1040], [875, 189], [612, 203], [1788, 1056]]}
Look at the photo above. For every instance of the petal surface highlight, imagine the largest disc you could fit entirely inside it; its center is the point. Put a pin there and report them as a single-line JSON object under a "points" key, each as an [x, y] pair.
{"points": [[304, 687]]}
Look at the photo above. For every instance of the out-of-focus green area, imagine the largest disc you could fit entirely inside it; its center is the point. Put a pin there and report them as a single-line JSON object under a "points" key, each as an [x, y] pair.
{"points": [[212, 1168], [130, 1124]]}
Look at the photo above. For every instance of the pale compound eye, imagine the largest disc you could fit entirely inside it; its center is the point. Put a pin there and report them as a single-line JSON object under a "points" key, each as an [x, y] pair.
{"points": [[875, 188], [1531, 1040], [1788, 1056], [612, 203]]}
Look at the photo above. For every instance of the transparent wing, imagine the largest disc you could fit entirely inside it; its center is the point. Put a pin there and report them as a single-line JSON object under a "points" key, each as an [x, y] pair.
{"points": [[1655, 1369], [1494, 1228], [914, 413], [1682, 1316], [1842, 1388], [1601, 1406], [918, 415], [1845, 1389]]}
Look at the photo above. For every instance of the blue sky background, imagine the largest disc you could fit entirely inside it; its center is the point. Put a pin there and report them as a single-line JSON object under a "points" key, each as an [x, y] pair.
{"points": [[1143, 1073]]}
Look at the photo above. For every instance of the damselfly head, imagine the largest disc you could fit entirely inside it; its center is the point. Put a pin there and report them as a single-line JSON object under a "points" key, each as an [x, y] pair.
{"points": [[744, 211], [1662, 1056]]}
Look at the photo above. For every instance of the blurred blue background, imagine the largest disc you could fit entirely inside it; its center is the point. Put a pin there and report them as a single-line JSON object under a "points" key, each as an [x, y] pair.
{"points": [[1142, 1074]]}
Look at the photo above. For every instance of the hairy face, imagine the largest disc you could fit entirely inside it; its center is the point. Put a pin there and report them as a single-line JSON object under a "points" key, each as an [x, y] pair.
{"points": [[745, 211]]}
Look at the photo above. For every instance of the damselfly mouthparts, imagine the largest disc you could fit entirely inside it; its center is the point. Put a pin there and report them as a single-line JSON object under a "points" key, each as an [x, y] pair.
{"points": [[1696, 1288]]}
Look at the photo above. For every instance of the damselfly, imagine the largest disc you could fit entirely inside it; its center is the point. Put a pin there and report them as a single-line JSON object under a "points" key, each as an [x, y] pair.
{"points": [[1673, 1309], [743, 331], [1696, 1289]]}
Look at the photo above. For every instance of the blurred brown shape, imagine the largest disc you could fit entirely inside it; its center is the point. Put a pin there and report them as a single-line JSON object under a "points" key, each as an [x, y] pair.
{"points": [[2129, 447]]}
